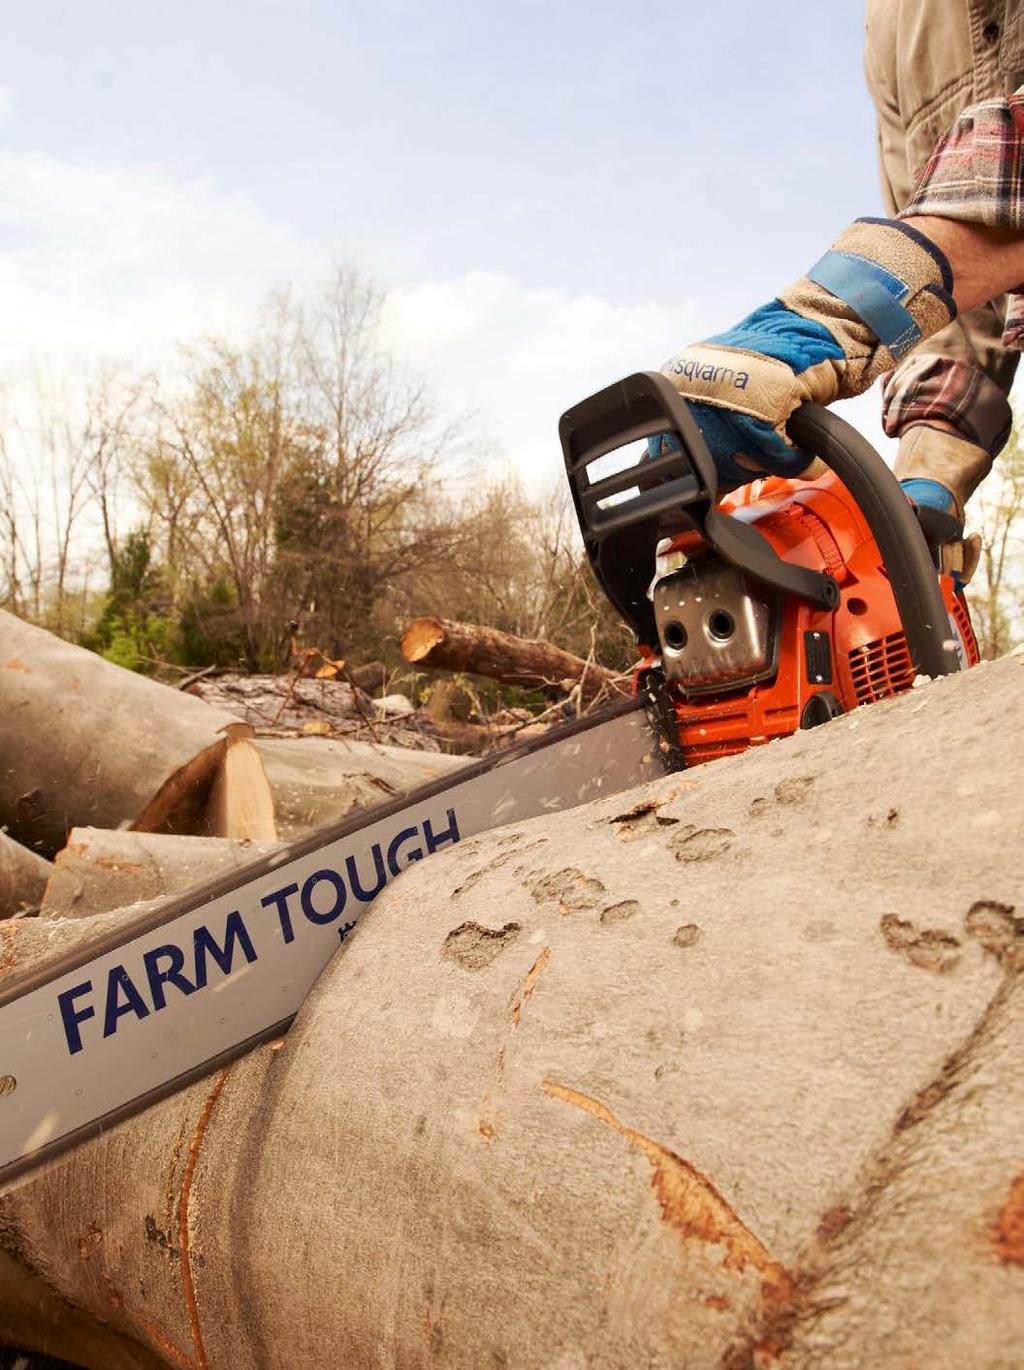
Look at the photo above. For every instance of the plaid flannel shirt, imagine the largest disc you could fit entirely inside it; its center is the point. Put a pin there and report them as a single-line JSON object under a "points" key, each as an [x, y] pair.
{"points": [[976, 173]]}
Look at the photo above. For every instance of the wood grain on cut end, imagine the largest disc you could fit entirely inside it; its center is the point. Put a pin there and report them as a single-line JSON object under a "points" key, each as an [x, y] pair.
{"points": [[179, 806], [420, 638], [241, 802]]}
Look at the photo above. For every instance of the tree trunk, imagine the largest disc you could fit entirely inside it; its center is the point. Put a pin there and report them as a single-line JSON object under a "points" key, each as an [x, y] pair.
{"points": [[721, 1072], [441, 644], [100, 870], [23, 877], [85, 743]]}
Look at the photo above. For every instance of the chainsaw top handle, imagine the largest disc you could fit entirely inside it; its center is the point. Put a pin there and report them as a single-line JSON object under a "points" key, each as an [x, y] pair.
{"points": [[623, 515]]}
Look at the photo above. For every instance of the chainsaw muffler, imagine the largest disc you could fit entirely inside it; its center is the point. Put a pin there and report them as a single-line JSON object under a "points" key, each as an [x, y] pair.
{"points": [[715, 632]]}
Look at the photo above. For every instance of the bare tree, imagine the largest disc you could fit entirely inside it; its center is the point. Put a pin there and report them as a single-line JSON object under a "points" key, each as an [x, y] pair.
{"points": [[62, 450], [114, 411], [997, 590], [215, 463], [356, 515]]}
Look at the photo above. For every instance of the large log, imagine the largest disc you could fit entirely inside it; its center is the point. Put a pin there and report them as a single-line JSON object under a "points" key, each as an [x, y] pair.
{"points": [[441, 644], [721, 1073], [23, 877], [319, 780], [84, 742], [100, 869]]}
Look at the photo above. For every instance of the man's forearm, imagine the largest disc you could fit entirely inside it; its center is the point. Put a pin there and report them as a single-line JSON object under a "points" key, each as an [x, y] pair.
{"points": [[985, 261]]}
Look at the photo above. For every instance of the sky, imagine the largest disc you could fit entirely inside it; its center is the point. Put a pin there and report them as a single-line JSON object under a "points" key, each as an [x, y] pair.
{"points": [[550, 194]]}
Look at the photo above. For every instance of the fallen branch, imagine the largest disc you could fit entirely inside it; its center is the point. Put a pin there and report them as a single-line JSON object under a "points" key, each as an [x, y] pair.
{"points": [[441, 644]]}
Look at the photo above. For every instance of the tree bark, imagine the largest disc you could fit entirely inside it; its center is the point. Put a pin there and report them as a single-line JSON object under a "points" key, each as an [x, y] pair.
{"points": [[721, 1071], [23, 877], [85, 743], [441, 644]]}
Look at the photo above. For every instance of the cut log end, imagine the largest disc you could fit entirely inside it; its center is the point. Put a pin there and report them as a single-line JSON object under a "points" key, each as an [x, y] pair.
{"points": [[420, 639]]}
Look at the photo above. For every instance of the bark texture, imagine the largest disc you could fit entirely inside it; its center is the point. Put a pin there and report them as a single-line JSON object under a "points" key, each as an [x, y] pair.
{"points": [[23, 877], [282, 702], [723, 1072], [441, 644], [84, 742]]}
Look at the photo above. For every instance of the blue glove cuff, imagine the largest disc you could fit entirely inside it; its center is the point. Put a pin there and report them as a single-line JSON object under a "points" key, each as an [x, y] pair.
{"points": [[929, 494]]}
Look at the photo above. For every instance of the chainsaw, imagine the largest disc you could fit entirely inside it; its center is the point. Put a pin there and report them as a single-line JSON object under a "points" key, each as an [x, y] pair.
{"points": [[777, 607], [773, 609]]}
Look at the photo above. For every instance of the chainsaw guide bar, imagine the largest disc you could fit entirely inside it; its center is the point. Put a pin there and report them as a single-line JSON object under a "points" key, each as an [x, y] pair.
{"points": [[91, 1037]]}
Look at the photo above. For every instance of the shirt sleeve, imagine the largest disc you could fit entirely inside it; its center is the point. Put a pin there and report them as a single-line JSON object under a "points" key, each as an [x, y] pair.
{"points": [[976, 174], [928, 387], [976, 171]]}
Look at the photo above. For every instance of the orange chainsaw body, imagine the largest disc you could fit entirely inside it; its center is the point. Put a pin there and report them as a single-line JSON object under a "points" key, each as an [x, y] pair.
{"points": [[851, 655]]}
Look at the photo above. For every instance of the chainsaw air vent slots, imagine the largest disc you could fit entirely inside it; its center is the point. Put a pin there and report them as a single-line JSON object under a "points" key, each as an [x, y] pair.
{"points": [[881, 668]]}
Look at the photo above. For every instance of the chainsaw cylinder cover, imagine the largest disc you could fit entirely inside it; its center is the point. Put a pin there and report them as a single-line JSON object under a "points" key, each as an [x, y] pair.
{"points": [[714, 633]]}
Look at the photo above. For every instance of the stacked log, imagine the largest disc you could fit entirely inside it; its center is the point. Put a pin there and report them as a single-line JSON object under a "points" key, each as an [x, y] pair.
{"points": [[319, 780], [100, 870], [23, 877], [84, 742], [720, 1073], [87, 744]]}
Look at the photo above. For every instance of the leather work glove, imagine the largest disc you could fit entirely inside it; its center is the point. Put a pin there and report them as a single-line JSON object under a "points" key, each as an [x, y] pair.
{"points": [[939, 471], [880, 289]]}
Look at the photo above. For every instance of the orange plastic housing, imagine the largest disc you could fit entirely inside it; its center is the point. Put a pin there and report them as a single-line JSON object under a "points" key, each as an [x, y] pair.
{"points": [[815, 524]]}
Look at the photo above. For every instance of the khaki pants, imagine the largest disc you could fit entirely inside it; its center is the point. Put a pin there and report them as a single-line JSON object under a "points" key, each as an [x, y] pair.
{"points": [[925, 62]]}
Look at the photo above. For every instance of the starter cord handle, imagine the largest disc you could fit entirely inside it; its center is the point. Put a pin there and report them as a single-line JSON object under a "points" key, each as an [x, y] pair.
{"points": [[905, 555]]}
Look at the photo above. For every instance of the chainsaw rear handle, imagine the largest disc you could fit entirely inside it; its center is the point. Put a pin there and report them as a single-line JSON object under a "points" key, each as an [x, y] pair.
{"points": [[908, 562], [622, 516]]}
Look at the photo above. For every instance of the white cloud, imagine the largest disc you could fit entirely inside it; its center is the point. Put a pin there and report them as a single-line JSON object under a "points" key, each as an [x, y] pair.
{"points": [[6, 102], [520, 355], [114, 260]]}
